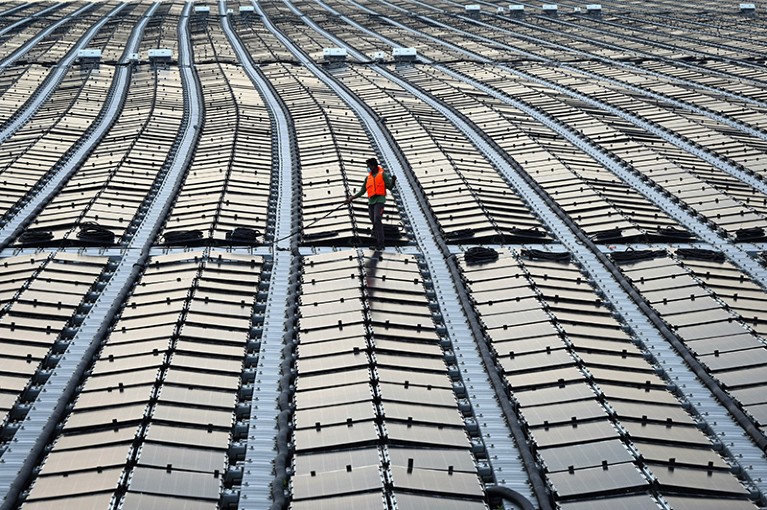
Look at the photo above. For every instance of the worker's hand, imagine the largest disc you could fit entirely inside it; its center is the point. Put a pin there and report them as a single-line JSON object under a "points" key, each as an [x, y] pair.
{"points": [[393, 180], [348, 199]]}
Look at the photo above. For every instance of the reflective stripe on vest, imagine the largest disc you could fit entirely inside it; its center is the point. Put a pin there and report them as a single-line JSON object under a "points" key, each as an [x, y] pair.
{"points": [[376, 185]]}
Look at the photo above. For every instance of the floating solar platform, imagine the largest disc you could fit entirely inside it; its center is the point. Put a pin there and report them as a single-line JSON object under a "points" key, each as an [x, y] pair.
{"points": [[568, 313]]}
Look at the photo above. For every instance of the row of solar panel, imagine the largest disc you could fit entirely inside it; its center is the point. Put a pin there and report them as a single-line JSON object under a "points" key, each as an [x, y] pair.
{"points": [[660, 22], [328, 170], [601, 419], [602, 205], [719, 314], [157, 407], [602, 219], [372, 381], [311, 150], [621, 43], [332, 147], [41, 298], [154, 420], [14, 37], [625, 231], [702, 187], [724, 200], [238, 215], [112, 183], [511, 326], [257, 38], [449, 173], [16, 81], [665, 33], [576, 204], [228, 186], [663, 8], [34, 151], [571, 42]]}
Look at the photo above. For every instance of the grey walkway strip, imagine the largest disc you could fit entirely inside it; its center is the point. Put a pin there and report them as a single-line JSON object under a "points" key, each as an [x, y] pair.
{"points": [[259, 473]]}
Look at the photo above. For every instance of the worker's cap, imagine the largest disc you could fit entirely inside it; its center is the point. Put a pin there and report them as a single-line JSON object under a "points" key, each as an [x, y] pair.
{"points": [[372, 163]]}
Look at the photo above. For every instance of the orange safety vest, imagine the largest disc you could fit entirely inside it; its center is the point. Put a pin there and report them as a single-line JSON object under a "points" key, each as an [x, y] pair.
{"points": [[376, 185]]}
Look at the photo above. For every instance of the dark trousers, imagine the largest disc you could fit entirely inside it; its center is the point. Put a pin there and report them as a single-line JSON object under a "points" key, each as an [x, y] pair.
{"points": [[376, 212]]}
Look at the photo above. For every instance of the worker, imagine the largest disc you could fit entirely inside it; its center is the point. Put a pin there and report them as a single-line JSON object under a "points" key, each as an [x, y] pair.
{"points": [[375, 185]]}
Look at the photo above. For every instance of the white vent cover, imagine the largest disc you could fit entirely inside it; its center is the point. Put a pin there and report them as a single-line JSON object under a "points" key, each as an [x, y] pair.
{"points": [[334, 52], [160, 53], [404, 53], [89, 53]]}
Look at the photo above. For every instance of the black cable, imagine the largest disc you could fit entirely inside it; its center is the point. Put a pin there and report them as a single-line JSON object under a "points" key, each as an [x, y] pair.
{"points": [[633, 255], [525, 234], [700, 254], [480, 255], [35, 236], [95, 233], [671, 232], [243, 235], [545, 255], [614, 234], [182, 237]]}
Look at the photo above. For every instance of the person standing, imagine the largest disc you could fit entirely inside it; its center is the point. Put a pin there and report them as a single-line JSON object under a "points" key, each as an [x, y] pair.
{"points": [[375, 185]]}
